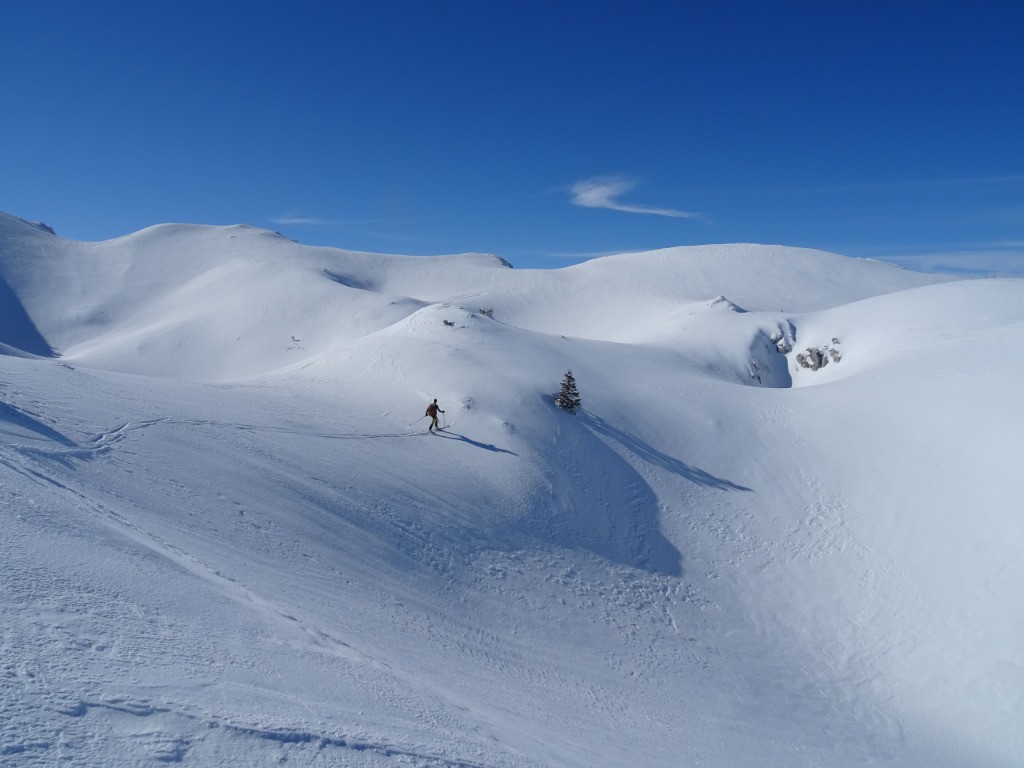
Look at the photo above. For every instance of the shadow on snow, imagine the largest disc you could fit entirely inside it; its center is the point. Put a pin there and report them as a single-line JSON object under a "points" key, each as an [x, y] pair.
{"points": [[462, 438], [11, 415], [639, 448]]}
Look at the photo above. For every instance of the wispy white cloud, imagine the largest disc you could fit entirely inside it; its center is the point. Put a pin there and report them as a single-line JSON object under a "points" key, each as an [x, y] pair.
{"points": [[604, 192], [1003, 258], [582, 255], [294, 220], [963, 182]]}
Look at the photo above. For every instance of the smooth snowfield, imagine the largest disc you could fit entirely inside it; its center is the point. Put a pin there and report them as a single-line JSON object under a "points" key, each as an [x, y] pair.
{"points": [[227, 538]]}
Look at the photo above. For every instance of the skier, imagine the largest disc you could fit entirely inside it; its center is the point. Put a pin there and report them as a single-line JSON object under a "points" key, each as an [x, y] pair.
{"points": [[432, 411]]}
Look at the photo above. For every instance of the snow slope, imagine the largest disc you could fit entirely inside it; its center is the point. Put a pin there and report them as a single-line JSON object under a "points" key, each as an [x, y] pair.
{"points": [[228, 541]]}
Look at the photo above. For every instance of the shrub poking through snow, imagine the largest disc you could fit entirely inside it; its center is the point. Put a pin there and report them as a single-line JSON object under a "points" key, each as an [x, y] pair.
{"points": [[569, 398]]}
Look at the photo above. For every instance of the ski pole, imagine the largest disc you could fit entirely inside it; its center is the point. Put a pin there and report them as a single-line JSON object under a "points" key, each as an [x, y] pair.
{"points": [[421, 418]]}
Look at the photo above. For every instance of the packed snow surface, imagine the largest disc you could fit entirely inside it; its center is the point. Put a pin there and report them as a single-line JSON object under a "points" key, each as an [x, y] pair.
{"points": [[784, 529]]}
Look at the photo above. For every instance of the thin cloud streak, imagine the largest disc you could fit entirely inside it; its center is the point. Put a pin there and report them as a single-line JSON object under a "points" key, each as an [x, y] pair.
{"points": [[967, 181], [310, 221], [979, 261], [604, 191], [907, 184], [584, 255], [961, 264], [302, 221]]}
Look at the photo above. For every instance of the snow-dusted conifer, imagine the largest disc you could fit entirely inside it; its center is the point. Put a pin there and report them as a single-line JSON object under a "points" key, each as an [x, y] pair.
{"points": [[569, 398]]}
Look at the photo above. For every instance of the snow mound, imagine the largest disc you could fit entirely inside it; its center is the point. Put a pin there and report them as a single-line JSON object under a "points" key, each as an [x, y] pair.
{"points": [[941, 325]]}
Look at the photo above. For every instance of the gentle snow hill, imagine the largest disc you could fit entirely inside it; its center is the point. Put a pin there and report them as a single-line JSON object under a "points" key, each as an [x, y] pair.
{"points": [[725, 559], [949, 322], [218, 303]]}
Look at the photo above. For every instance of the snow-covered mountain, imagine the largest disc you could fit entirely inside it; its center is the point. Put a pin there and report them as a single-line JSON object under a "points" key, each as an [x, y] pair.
{"points": [[783, 531]]}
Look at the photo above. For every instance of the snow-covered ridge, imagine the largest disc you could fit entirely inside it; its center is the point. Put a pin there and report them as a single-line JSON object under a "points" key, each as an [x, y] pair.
{"points": [[205, 302], [228, 539]]}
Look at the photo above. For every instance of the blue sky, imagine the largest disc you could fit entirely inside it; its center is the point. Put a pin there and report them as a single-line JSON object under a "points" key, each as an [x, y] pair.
{"points": [[545, 132]]}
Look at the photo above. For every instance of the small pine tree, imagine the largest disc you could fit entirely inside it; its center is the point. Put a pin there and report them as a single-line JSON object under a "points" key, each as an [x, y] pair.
{"points": [[569, 398]]}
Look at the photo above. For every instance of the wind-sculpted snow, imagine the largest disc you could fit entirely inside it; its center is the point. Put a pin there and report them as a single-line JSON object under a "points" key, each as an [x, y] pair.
{"points": [[228, 539], [225, 303]]}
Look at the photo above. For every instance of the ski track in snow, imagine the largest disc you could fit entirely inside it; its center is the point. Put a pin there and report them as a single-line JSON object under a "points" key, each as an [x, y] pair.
{"points": [[47, 467], [115, 657]]}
